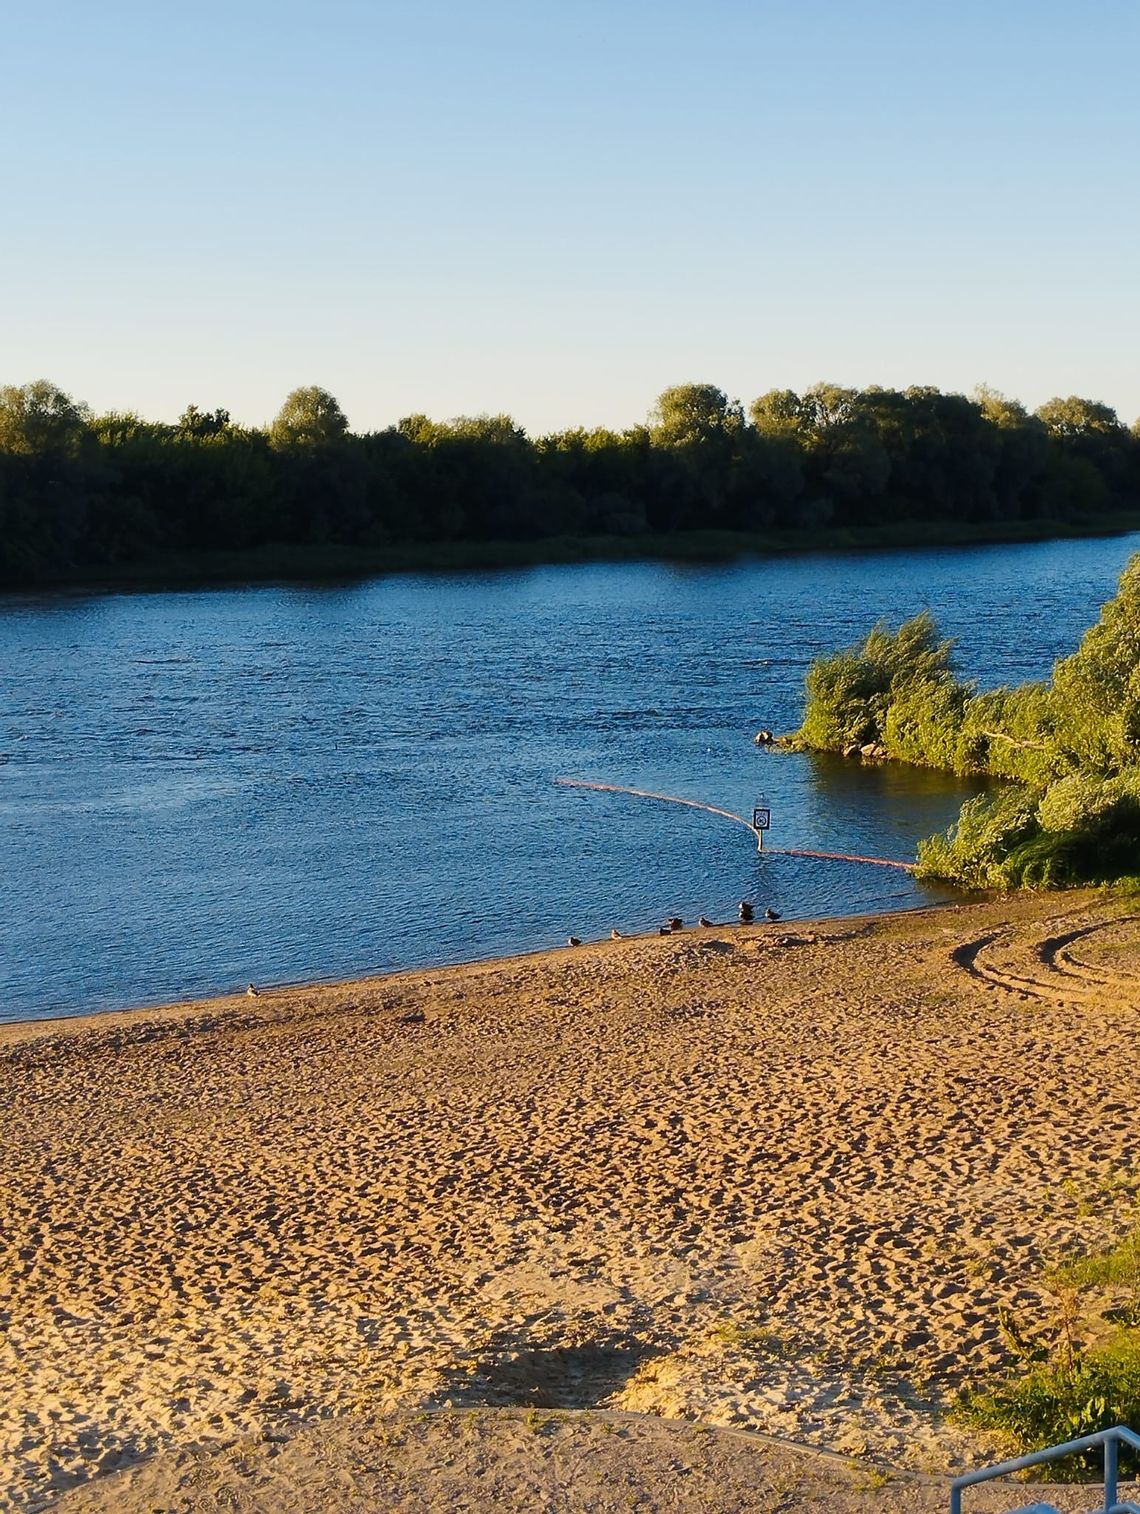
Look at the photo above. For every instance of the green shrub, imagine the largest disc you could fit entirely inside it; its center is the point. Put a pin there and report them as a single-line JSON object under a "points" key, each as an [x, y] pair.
{"points": [[1073, 746], [924, 724], [1078, 801], [846, 703], [1098, 687], [850, 695], [976, 852], [1079, 830], [1009, 733], [1063, 1402]]}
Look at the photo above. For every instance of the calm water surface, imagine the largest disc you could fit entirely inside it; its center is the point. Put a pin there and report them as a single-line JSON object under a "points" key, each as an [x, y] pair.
{"points": [[281, 782]]}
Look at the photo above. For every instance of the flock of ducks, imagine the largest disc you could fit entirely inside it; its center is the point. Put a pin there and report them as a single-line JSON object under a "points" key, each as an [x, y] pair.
{"points": [[670, 928], [674, 925]]}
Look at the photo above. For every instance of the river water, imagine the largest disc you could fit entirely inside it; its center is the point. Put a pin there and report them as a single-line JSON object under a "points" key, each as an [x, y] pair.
{"points": [[283, 782]]}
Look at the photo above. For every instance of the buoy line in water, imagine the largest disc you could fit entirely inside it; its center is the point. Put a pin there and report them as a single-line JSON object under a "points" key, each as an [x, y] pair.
{"points": [[789, 851], [715, 809]]}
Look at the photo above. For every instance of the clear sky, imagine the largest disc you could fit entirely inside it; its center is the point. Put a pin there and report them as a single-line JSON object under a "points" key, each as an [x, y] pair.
{"points": [[558, 207]]}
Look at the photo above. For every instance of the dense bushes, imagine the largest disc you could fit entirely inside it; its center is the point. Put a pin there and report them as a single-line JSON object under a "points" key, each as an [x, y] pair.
{"points": [[1073, 746], [891, 680]]}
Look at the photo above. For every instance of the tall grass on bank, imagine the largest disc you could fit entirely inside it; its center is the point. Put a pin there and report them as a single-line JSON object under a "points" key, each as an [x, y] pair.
{"points": [[1071, 747]]}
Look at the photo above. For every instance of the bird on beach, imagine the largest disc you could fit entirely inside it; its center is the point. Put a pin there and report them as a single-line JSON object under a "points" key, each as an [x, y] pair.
{"points": [[664, 930], [250, 991], [745, 912], [573, 941], [675, 923], [706, 923], [771, 914], [615, 934]]}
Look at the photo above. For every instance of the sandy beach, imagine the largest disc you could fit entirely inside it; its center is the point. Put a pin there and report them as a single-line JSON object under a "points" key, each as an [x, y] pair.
{"points": [[775, 1178]]}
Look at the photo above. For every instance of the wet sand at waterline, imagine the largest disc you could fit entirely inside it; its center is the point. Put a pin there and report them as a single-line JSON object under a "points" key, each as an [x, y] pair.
{"points": [[776, 1178]]}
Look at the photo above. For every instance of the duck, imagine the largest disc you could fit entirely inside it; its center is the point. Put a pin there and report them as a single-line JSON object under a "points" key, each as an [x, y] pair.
{"points": [[573, 940], [705, 923], [771, 914], [250, 991], [664, 930], [745, 911], [675, 923], [615, 934]]}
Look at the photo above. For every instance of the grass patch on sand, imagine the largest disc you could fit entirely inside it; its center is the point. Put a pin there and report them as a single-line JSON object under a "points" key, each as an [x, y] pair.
{"points": [[1057, 1402], [753, 1340], [1083, 1373]]}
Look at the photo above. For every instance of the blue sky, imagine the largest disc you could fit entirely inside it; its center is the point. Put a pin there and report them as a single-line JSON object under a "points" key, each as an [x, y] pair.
{"points": [[557, 209]]}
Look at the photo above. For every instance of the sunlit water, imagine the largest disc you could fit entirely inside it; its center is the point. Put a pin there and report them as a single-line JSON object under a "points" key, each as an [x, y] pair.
{"points": [[279, 782]]}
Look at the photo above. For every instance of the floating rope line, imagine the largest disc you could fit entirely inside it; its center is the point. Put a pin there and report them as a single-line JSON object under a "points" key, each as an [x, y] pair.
{"points": [[693, 804], [715, 809], [782, 851]]}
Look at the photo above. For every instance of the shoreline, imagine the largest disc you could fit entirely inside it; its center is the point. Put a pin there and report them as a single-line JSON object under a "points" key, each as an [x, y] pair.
{"points": [[317, 563], [172, 1008], [780, 1177]]}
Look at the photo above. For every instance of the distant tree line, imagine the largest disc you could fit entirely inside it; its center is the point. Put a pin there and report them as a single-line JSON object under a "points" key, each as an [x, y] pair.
{"points": [[82, 491]]}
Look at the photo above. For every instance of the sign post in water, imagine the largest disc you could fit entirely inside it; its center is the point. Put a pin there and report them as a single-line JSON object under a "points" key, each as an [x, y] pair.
{"points": [[761, 820]]}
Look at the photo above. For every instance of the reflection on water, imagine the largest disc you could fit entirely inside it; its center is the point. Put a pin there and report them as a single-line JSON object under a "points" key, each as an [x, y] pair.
{"points": [[275, 783]]}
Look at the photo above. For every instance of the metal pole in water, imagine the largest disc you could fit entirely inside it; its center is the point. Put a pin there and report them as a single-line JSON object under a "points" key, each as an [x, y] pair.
{"points": [[761, 820]]}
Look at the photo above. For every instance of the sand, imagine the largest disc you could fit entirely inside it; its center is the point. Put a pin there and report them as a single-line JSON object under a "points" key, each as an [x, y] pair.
{"points": [[772, 1178]]}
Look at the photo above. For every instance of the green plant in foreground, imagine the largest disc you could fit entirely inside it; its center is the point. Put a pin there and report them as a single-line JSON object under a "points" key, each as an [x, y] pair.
{"points": [[1069, 1390], [1116, 1268], [1054, 1403]]}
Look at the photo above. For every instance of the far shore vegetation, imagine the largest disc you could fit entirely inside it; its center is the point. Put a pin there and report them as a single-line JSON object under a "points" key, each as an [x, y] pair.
{"points": [[88, 498], [1069, 748]]}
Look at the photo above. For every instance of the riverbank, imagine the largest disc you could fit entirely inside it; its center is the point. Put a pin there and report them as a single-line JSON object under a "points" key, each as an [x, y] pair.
{"points": [[314, 562], [780, 1179]]}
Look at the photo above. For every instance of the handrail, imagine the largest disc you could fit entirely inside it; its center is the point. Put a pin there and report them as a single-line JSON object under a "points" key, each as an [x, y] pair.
{"points": [[1109, 1440]]}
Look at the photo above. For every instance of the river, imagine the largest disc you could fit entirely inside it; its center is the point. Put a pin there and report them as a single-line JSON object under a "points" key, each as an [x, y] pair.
{"points": [[283, 782]]}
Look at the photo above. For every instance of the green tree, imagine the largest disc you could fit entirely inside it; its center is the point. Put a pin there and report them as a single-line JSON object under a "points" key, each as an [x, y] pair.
{"points": [[310, 418], [1078, 417], [998, 409], [693, 414], [199, 423], [38, 419], [827, 408], [696, 433], [778, 413]]}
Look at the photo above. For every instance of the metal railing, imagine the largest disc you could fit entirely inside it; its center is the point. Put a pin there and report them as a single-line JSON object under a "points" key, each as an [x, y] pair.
{"points": [[1110, 1441]]}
